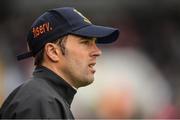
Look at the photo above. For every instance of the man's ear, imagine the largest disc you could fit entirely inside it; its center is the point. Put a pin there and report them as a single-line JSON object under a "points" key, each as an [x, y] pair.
{"points": [[52, 52]]}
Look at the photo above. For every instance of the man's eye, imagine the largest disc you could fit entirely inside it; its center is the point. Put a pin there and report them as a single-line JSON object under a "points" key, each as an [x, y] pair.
{"points": [[85, 42]]}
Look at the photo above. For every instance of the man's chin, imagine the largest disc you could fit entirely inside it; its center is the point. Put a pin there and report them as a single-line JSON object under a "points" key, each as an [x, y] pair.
{"points": [[86, 83]]}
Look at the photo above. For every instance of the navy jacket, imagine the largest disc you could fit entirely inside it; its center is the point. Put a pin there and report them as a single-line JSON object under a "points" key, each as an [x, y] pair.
{"points": [[46, 95]]}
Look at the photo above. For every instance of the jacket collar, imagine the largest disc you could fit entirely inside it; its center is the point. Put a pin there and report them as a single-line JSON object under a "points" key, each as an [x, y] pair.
{"points": [[60, 85]]}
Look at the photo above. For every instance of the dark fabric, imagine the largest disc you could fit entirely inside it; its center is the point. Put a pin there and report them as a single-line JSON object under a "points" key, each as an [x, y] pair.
{"points": [[45, 96]]}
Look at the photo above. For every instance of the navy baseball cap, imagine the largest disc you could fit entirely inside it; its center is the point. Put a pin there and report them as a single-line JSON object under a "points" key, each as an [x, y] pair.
{"points": [[59, 22]]}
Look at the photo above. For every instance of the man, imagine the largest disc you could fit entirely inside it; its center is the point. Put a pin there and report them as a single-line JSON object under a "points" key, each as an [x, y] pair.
{"points": [[63, 43]]}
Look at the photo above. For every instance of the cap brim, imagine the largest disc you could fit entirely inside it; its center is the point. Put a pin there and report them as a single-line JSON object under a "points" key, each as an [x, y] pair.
{"points": [[24, 56], [103, 34]]}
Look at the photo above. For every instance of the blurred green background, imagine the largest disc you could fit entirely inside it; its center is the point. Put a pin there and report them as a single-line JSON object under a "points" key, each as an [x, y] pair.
{"points": [[137, 76]]}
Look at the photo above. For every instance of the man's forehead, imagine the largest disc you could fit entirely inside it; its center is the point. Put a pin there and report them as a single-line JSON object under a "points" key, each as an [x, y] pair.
{"points": [[88, 38], [84, 37]]}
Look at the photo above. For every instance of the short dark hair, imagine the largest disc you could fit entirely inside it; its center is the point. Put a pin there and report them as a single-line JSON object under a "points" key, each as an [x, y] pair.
{"points": [[39, 57]]}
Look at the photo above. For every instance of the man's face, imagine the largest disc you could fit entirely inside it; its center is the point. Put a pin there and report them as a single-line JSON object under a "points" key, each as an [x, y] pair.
{"points": [[79, 60]]}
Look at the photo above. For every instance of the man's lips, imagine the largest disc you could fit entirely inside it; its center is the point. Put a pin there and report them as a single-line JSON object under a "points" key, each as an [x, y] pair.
{"points": [[91, 66]]}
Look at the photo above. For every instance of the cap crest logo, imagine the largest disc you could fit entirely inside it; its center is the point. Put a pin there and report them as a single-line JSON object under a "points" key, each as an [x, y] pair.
{"points": [[85, 19], [41, 29]]}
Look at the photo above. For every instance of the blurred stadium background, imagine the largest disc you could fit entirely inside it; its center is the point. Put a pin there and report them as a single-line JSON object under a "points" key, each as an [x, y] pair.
{"points": [[137, 77]]}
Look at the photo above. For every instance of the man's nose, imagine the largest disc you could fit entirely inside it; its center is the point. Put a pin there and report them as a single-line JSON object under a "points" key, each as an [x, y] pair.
{"points": [[96, 51]]}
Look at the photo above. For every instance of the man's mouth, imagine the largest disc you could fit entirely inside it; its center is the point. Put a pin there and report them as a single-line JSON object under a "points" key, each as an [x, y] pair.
{"points": [[91, 66]]}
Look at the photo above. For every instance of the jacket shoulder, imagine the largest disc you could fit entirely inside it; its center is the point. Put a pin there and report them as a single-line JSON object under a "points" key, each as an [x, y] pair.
{"points": [[37, 88], [33, 99]]}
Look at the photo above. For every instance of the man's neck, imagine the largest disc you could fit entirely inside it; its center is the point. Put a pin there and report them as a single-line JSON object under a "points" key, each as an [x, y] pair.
{"points": [[55, 70]]}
